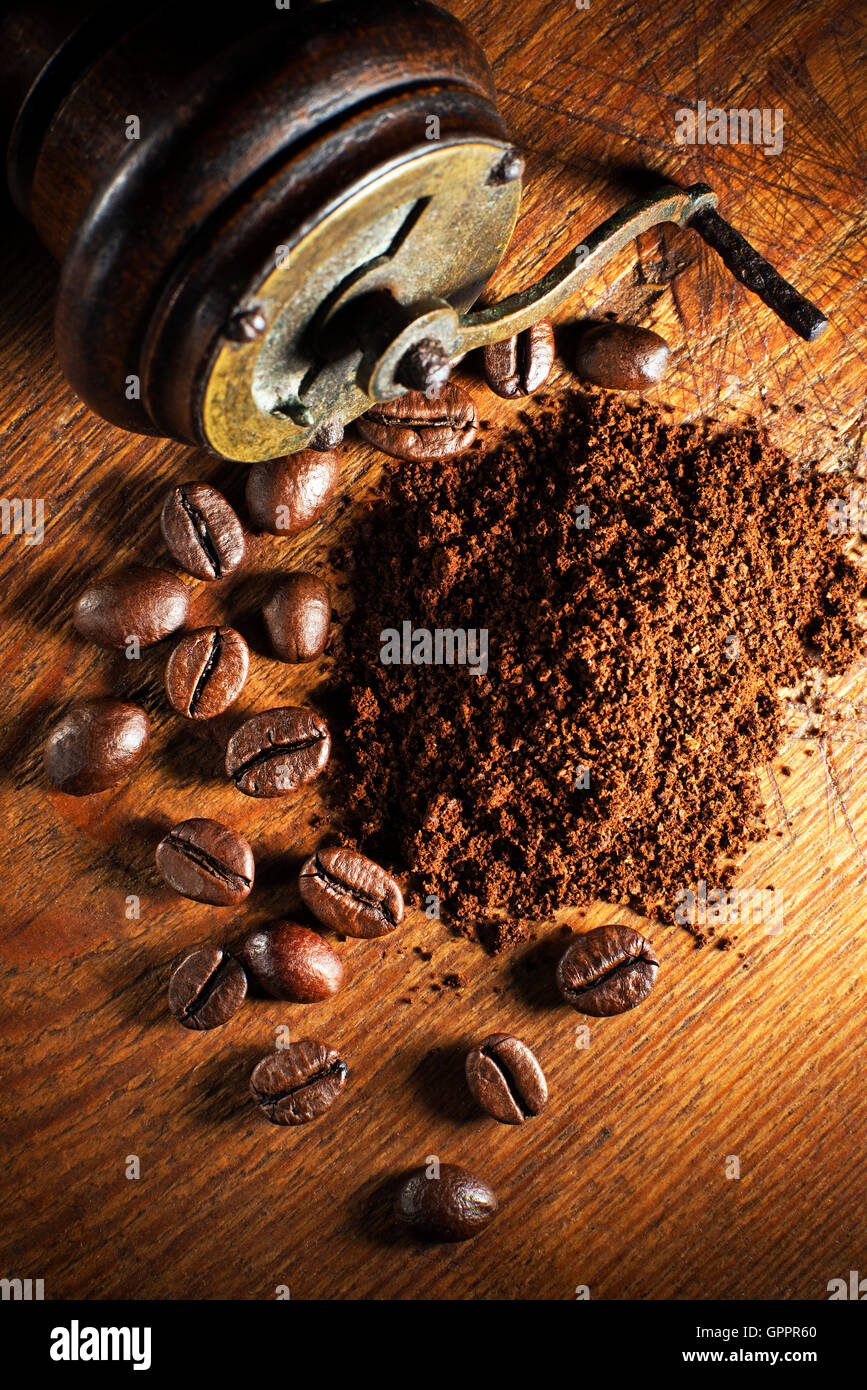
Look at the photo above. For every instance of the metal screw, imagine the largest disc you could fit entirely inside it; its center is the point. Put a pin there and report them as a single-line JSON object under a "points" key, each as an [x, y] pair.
{"points": [[246, 325], [328, 436], [426, 366], [509, 168]]}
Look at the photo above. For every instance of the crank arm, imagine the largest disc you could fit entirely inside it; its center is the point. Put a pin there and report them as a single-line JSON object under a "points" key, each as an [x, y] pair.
{"points": [[432, 334], [693, 207]]}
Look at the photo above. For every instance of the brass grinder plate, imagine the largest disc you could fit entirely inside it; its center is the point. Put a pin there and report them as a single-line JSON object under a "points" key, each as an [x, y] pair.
{"points": [[429, 225]]}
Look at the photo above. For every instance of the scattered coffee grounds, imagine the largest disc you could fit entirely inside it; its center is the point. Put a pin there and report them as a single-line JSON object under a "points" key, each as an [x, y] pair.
{"points": [[646, 590], [454, 980]]}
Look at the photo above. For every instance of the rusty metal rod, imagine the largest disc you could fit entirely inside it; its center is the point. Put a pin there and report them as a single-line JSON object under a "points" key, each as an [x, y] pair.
{"points": [[757, 275]]}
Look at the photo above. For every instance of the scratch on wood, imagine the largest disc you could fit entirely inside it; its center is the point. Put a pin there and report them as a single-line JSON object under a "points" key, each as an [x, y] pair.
{"points": [[833, 782], [777, 796]]}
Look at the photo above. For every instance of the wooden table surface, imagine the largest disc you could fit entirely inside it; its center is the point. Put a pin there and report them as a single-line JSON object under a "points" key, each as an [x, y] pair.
{"points": [[624, 1185]]}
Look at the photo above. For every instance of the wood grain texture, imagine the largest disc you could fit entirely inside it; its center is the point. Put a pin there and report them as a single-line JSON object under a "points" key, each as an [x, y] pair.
{"points": [[756, 1052]]}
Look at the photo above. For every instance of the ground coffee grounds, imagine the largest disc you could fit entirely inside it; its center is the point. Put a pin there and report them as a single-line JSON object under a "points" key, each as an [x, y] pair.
{"points": [[646, 589]]}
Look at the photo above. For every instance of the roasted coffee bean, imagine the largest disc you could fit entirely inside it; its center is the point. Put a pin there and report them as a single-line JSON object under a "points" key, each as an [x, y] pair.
{"points": [[415, 427], [351, 894], [96, 745], [292, 962], [297, 616], [506, 1080], [453, 1206], [521, 365], [278, 751], [207, 989], [299, 1082], [426, 367], [607, 971], [135, 602], [285, 496], [622, 357], [207, 861], [206, 671], [202, 532]]}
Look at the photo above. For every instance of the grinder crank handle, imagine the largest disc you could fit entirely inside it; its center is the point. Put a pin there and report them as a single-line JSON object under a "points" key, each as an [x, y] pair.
{"points": [[757, 275], [692, 207]]}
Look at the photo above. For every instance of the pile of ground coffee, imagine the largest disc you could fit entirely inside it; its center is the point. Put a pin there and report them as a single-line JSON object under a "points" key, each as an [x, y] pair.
{"points": [[646, 590]]}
